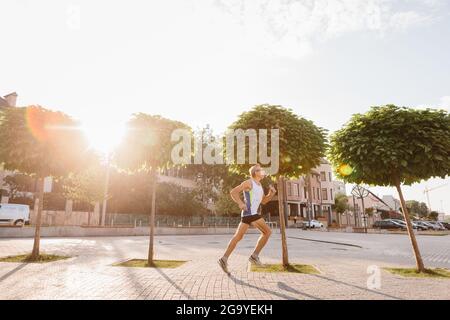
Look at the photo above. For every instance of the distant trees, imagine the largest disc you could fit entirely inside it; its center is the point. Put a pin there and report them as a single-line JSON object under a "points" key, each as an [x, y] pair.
{"points": [[18, 183], [417, 208], [341, 203], [178, 201], [434, 215], [86, 186]]}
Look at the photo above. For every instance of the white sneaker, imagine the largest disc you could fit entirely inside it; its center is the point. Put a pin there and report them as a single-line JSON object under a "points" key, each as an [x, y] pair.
{"points": [[223, 265], [255, 260]]}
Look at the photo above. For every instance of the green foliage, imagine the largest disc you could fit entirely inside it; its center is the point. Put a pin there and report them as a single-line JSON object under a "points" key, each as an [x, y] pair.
{"points": [[175, 200], [54, 201], [428, 273], [86, 186], [302, 144], [292, 268], [19, 182], [25, 258], [433, 216], [341, 203], [369, 211], [129, 192], [147, 143], [37, 141], [417, 208], [22, 200], [225, 206], [390, 145], [140, 263]]}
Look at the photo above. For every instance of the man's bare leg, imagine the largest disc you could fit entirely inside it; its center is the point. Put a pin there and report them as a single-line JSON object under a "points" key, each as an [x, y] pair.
{"points": [[262, 241], [240, 232]]}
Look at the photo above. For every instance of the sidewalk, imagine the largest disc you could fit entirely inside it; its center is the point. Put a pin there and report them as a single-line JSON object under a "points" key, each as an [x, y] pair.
{"points": [[89, 274]]}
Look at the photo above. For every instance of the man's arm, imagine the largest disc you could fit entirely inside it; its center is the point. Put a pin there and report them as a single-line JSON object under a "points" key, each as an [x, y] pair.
{"points": [[269, 196], [235, 192]]}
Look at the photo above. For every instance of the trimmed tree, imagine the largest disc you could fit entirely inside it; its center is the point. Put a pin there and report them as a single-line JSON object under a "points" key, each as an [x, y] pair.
{"points": [[391, 146], [147, 146], [40, 143], [341, 205], [301, 147]]}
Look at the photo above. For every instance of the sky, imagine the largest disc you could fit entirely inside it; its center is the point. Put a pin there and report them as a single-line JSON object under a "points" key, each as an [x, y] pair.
{"points": [[206, 61]]}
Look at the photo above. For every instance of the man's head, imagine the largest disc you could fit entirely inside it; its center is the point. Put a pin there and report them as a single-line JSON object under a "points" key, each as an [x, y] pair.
{"points": [[256, 172]]}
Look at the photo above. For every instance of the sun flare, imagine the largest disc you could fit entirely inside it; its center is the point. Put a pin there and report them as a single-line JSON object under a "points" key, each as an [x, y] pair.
{"points": [[103, 137]]}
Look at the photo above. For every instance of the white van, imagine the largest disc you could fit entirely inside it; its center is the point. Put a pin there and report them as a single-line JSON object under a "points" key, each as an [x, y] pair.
{"points": [[14, 214]]}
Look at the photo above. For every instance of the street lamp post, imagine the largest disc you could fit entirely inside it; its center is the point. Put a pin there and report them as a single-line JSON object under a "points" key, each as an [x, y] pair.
{"points": [[105, 194], [361, 193]]}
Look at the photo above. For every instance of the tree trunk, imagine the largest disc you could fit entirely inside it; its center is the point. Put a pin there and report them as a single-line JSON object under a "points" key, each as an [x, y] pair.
{"points": [[152, 222], [412, 236], [282, 221], [37, 233]]}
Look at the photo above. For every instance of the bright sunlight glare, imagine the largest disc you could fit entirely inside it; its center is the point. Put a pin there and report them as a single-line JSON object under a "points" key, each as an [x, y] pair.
{"points": [[103, 136]]}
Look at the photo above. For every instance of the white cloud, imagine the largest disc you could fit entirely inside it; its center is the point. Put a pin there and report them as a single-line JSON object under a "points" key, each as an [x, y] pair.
{"points": [[292, 28]]}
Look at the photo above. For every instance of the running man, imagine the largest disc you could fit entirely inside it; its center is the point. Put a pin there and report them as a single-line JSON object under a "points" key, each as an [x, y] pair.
{"points": [[253, 197]]}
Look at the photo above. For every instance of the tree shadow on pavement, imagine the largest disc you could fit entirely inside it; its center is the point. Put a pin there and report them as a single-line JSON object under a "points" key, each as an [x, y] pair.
{"points": [[169, 280], [287, 288], [10, 273], [132, 276], [280, 295], [356, 287]]}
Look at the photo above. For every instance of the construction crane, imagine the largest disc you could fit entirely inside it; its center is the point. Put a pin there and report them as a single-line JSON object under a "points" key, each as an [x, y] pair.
{"points": [[427, 192]]}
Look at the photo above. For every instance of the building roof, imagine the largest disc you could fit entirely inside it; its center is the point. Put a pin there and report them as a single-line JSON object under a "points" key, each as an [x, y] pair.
{"points": [[3, 102], [379, 199], [11, 94]]}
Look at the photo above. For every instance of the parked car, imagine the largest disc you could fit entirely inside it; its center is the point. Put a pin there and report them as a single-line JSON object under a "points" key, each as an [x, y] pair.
{"points": [[446, 225], [313, 224], [434, 225], [438, 225], [14, 214], [389, 224], [421, 226]]}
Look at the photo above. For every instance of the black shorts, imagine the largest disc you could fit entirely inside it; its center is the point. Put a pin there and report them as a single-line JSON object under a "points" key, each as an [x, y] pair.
{"points": [[249, 219]]}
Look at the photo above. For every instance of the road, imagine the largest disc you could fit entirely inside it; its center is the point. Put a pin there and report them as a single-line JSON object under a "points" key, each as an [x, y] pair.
{"points": [[342, 259]]}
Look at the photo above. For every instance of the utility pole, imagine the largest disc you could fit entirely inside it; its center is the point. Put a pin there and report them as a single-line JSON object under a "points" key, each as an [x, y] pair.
{"points": [[361, 193]]}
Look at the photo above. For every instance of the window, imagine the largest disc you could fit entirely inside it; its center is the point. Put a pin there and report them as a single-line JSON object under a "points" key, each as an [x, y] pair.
{"points": [[306, 193], [323, 176], [324, 194], [329, 176], [289, 189], [295, 189], [318, 193], [331, 194]]}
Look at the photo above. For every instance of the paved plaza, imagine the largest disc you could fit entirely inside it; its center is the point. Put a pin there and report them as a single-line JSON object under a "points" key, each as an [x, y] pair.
{"points": [[350, 267]]}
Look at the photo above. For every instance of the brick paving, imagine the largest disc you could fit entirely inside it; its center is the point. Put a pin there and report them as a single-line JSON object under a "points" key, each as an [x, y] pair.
{"points": [[89, 274]]}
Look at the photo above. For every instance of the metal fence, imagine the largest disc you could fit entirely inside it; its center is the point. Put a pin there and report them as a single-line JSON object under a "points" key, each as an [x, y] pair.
{"points": [[138, 220]]}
